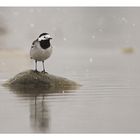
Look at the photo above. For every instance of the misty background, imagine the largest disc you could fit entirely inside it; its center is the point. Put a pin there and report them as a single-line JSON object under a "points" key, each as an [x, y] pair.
{"points": [[70, 26], [97, 47]]}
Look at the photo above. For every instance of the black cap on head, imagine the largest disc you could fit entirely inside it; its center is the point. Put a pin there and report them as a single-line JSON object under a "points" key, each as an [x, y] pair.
{"points": [[43, 34]]}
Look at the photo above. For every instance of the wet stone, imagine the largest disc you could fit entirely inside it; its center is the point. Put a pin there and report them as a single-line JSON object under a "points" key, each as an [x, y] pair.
{"points": [[39, 80]]}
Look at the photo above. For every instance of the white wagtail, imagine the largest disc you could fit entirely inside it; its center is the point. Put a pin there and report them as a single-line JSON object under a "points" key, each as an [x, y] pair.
{"points": [[41, 49]]}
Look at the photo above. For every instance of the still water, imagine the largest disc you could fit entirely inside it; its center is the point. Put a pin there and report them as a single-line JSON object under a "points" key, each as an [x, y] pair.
{"points": [[107, 102]]}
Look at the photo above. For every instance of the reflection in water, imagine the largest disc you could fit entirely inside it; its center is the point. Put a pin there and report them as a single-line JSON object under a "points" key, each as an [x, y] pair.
{"points": [[39, 114]]}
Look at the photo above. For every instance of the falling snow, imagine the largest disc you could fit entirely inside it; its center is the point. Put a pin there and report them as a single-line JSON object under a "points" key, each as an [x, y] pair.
{"points": [[31, 10], [133, 24], [100, 30], [15, 13], [65, 39], [32, 25], [90, 60], [123, 19], [93, 36]]}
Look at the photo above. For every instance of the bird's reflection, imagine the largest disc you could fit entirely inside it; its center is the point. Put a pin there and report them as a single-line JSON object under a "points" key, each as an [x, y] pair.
{"points": [[39, 115], [37, 97]]}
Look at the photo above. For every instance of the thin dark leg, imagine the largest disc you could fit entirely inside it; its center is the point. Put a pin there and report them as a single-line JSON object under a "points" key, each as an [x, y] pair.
{"points": [[43, 66], [35, 107], [35, 65]]}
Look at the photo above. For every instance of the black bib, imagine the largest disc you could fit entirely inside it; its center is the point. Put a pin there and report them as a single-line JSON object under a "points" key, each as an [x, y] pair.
{"points": [[45, 44]]}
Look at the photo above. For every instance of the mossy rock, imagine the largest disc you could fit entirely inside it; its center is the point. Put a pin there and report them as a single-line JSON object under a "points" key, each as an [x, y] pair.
{"points": [[39, 81]]}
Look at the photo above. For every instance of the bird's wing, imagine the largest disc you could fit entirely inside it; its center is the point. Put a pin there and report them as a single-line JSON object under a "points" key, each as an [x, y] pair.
{"points": [[34, 43]]}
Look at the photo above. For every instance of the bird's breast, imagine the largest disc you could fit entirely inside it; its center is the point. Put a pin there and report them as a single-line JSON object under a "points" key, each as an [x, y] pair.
{"points": [[40, 54]]}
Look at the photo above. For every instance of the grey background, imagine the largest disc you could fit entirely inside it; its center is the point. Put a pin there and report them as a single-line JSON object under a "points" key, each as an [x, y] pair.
{"points": [[74, 27]]}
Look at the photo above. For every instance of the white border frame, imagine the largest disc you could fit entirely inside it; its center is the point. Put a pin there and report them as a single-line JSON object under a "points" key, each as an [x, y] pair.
{"points": [[51, 3]]}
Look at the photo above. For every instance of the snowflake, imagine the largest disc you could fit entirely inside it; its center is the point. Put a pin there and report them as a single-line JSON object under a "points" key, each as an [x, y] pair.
{"points": [[90, 60]]}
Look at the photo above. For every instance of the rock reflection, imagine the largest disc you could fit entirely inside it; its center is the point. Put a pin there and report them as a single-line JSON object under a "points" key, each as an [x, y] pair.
{"points": [[39, 113]]}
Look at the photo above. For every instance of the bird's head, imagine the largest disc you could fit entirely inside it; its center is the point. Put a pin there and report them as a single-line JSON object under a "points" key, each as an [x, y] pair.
{"points": [[44, 36]]}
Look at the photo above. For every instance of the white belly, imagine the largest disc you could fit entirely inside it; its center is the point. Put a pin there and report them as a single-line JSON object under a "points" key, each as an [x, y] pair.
{"points": [[40, 54]]}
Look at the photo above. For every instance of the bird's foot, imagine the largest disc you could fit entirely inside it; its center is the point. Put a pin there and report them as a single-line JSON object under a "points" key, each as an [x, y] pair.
{"points": [[44, 71], [36, 71]]}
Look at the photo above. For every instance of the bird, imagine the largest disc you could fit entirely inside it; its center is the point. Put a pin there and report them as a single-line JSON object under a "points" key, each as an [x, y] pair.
{"points": [[41, 49]]}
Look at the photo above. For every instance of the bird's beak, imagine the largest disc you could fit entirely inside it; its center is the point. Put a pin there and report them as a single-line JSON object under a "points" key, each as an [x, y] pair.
{"points": [[50, 38]]}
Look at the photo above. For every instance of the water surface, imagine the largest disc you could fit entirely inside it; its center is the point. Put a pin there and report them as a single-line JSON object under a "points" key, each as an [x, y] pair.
{"points": [[107, 102]]}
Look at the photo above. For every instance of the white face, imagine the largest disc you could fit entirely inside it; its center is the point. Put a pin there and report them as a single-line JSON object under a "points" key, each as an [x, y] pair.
{"points": [[44, 37]]}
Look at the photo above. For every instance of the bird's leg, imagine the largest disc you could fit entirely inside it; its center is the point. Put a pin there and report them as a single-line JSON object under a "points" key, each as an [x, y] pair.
{"points": [[43, 66], [35, 65]]}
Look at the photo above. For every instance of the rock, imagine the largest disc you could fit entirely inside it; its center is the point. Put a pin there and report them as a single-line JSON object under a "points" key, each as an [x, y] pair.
{"points": [[32, 81]]}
